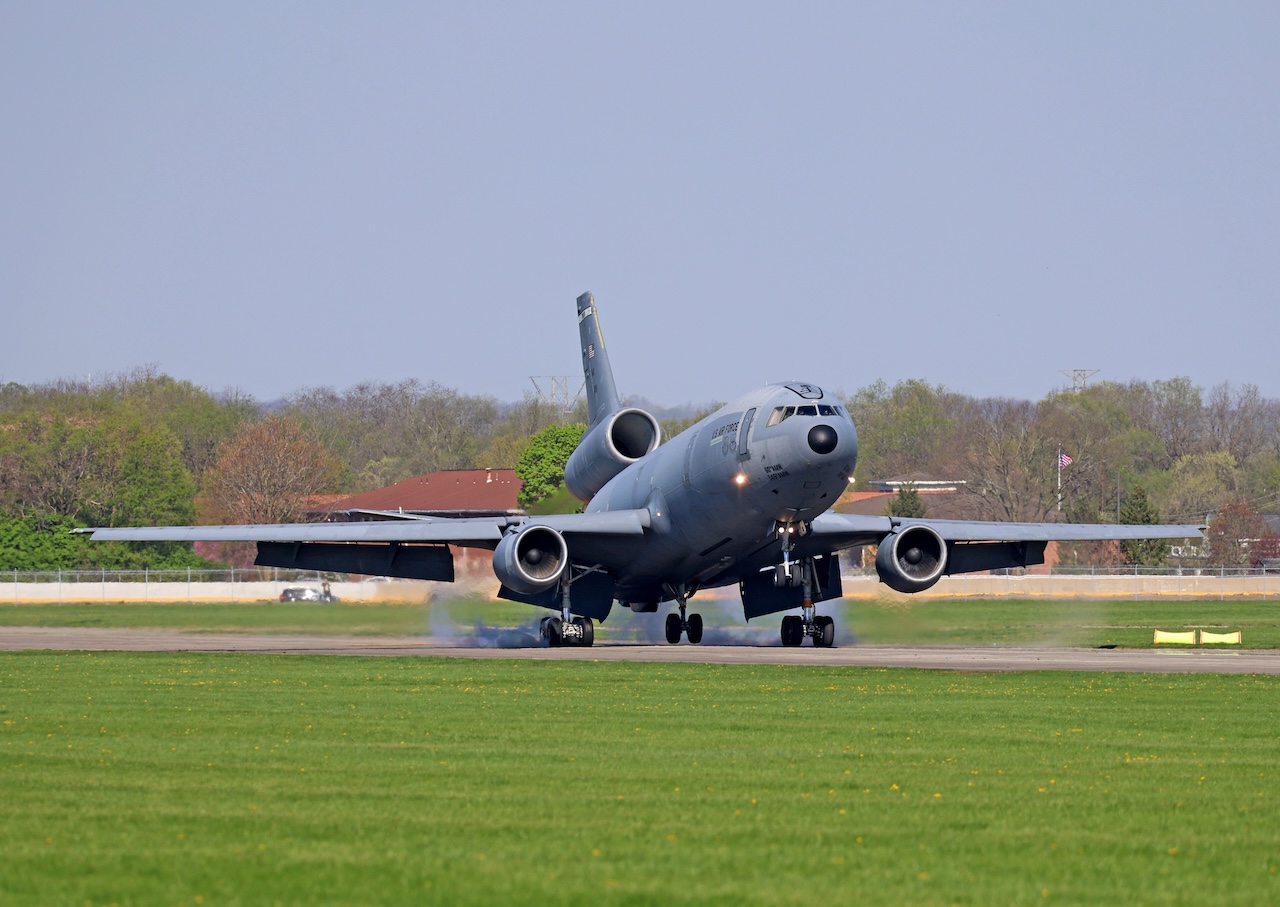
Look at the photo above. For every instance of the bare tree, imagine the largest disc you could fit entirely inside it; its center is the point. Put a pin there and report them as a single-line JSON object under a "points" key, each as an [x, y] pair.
{"points": [[1238, 536], [1178, 414], [267, 473], [1238, 421], [1009, 461]]}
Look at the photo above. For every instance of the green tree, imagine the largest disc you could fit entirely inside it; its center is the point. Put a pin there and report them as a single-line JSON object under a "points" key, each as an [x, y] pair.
{"points": [[907, 503], [44, 542], [1137, 510], [907, 428], [541, 466]]}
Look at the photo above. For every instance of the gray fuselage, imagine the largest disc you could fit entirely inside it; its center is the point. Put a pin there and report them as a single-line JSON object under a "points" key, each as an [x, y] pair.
{"points": [[715, 492]]}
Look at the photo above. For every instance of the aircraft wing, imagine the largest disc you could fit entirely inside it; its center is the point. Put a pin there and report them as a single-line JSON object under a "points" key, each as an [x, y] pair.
{"points": [[465, 532], [844, 530], [418, 548]]}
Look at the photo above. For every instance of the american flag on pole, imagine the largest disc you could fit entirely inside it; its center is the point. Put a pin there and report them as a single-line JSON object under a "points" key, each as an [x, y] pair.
{"points": [[1064, 459]]}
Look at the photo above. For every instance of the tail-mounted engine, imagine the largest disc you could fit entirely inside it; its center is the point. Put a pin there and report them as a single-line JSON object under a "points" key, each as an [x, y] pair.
{"points": [[608, 448], [912, 559], [531, 559]]}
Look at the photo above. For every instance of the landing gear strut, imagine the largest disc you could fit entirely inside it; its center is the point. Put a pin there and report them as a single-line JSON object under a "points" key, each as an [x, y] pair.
{"points": [[683, 623]]}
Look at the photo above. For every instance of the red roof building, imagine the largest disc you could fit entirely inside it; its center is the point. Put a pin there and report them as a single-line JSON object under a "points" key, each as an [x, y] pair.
{"points": [[450, 492]]}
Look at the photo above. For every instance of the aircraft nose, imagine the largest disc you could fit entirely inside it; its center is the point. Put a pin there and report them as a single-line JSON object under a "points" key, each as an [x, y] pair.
{"points": [[823, 439]]}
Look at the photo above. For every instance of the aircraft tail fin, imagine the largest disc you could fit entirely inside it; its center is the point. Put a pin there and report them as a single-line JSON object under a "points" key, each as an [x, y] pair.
{"points": [[616, 437], [602, 394]]}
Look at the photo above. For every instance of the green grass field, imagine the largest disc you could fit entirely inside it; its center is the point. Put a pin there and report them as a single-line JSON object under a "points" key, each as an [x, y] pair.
{"points": [[924, 622], [222, 779]]}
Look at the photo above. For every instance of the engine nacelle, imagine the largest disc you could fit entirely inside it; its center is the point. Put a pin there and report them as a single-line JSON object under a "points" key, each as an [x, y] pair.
{"points": [[531, 559], [609, 448], [912, 559]]}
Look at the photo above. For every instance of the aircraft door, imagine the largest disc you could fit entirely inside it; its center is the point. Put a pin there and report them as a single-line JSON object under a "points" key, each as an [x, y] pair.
{"points": [[744, 453]]}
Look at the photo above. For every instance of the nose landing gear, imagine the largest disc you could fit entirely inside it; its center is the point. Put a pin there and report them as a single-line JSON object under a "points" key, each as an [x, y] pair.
{"points": [[821, 629]]}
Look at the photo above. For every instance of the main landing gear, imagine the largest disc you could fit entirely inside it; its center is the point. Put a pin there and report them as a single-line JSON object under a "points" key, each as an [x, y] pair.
{"points": [[577, 631], [685, 624], [567, 630], [821, 628]]}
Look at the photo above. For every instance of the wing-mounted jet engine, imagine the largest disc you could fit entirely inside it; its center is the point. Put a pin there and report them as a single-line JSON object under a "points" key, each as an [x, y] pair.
{"points": [[531, 559], [911, 559]]}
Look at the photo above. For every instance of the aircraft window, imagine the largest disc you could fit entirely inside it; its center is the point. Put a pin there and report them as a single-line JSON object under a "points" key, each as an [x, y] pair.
{"points": [[780, 414], [806, 410], [825, 409]]}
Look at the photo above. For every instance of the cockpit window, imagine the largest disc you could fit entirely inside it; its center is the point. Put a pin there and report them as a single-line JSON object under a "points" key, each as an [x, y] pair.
{"points": [[780, 414]]}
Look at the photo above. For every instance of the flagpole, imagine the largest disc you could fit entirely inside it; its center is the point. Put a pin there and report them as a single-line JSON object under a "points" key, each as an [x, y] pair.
{"points": [[1059, 478]]}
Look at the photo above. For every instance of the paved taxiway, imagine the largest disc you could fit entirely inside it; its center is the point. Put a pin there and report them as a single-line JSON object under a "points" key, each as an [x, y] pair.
{"points": [[951, 658]]}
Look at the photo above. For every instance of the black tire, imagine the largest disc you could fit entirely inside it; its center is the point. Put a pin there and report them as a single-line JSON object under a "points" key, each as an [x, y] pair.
{"points": [[826, 627], [673, 628], [554, 631], [695, 628], [588, 630], [792, 630]]}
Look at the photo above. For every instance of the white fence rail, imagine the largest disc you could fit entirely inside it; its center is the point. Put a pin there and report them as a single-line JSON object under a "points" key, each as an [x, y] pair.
{"points": [[1090, 582], [261, 584], [254, 584]]}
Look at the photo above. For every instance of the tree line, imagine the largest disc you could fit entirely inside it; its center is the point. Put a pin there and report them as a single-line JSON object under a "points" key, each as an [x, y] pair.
{"points": [[145, 448]]}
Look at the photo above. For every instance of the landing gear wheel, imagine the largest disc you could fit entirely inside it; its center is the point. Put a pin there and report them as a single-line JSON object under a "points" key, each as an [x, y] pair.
{"points": [[792, 630], [588, 630], [694, 630], [673, 628], [825, 634], [553, 630]]}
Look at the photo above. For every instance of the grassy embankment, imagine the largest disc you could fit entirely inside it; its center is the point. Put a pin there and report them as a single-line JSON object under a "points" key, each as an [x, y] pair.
{"points": [[214, 779], [956, 622]]}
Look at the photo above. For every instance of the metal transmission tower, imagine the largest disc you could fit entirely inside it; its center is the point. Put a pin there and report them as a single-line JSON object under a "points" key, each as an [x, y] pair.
{"points": [[555, 389], [1079, 377]]}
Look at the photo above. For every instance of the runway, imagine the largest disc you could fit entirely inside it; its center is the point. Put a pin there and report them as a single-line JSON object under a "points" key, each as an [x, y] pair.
{"points": [[946, 658]]}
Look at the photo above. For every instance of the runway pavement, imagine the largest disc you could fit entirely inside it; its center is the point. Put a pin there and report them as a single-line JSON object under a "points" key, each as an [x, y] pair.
{"points": [[950, 658]]}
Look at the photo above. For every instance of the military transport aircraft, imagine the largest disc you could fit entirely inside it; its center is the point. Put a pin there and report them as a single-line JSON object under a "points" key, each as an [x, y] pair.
{"points": [[741, 498]]}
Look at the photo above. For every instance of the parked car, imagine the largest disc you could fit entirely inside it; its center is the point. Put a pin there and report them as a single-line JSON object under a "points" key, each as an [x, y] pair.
{"points": [[300, 594]]}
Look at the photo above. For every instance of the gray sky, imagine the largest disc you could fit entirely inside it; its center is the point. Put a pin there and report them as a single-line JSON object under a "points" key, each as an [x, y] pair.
{"points": [[271, 196]]}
